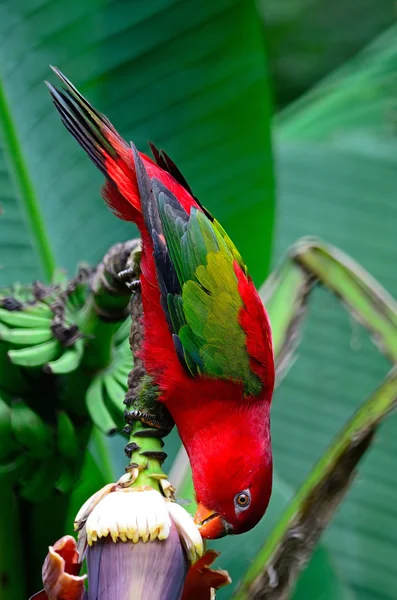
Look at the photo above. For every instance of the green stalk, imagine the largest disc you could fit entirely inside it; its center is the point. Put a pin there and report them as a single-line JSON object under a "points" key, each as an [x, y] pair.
{"points": [[146, 447], [99, 333], [106, 306], [363, 296], [25, 186], [311, 262]]}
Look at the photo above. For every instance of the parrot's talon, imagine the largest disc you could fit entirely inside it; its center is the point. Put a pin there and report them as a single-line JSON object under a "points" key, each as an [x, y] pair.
{"points": [[130, 416], [129, 278], [133, 286], [145, 418], [127, 274]]}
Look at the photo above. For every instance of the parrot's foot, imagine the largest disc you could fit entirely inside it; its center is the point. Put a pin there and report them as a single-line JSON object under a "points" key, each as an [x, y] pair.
{"points": [[162, 422], [128, 276]]}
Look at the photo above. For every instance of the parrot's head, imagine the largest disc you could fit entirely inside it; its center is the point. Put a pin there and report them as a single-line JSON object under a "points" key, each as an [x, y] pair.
{"points": [[232, 476]]}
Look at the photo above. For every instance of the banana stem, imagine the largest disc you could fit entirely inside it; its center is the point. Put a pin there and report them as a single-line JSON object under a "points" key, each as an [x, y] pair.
{"points": [[145, 452], [107, 305], [99, 334]]}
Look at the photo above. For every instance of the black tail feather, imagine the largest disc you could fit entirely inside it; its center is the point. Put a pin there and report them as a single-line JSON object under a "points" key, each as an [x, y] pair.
{"points": [[85, 124]]}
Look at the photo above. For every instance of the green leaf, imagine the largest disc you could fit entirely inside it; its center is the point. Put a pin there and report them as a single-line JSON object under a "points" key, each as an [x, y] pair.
{"points": [[308, 39], [17, 261], [337, 161], [13, 151], [166, 72], [313, 506], [321, 579]]}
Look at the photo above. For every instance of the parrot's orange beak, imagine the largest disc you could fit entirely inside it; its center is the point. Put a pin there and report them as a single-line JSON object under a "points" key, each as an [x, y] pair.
{"points": [[211, 525]]}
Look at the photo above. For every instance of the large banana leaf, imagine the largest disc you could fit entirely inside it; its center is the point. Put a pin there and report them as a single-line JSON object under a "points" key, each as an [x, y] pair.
{"points": [[189, 76], [308, 39], [337, 169]]}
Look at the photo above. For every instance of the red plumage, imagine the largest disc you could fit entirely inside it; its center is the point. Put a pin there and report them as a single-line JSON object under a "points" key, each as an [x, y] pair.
{"points": [[225, 432]]}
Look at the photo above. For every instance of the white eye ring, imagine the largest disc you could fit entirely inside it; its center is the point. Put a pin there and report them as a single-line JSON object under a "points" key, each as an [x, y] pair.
{"points": [[242, 500]]}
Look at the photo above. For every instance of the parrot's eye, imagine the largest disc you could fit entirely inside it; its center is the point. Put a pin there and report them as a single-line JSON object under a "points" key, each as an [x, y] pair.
{"points": [[242, 500]]}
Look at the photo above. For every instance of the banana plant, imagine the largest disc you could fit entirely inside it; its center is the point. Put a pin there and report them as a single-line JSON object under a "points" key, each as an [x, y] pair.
{"points": [[309, 263], [336, 172], [64, 363]]}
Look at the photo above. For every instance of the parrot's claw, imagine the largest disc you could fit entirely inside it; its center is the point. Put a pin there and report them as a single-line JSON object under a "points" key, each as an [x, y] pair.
{"points": [[158, 422], [133, 286], [128, 276]]}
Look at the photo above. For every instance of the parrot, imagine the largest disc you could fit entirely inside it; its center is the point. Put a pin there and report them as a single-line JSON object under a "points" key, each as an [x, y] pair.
{"points": [[207, 336]]}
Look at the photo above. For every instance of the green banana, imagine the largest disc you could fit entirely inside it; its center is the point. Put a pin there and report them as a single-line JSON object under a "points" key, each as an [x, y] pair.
{"points": [[68, 477], [121, 376], [123, 331], [123, 359], [67, 440], [8, 444], [39, 309], [73, 304], [68, 362], [35, 356], [40, 480], [122, 364], [79, 295], [15, 467], [124, 351], [97, 408], [18, 318], [115, 393], [31, 431], [26, 337]]}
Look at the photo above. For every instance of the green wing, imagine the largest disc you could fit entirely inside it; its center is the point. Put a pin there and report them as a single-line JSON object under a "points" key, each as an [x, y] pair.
{"points": [[204, 315]]}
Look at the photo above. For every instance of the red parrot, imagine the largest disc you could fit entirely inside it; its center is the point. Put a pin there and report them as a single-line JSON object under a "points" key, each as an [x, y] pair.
{"points": [[207, 338]]}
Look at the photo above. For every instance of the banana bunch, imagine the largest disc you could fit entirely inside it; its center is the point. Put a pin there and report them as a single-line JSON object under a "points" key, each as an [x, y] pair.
{"points": [[106, 393], [32, 331], [38, 455], [46, 335]]}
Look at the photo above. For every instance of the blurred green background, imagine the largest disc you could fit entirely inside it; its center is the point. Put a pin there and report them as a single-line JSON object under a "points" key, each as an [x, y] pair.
{"points": [[214, 83]]}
